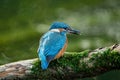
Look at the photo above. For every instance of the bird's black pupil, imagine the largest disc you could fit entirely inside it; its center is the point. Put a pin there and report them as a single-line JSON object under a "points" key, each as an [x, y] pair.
{"points": [[66, 28]]}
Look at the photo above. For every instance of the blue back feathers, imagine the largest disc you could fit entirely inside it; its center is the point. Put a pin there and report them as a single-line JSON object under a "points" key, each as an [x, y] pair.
{"points": [[51, 43]]}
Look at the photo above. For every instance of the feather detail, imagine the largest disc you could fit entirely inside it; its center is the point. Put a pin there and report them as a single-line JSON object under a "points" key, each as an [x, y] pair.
{"points": [[57, 30], [44, 63], [61, 52], [50, 45]]}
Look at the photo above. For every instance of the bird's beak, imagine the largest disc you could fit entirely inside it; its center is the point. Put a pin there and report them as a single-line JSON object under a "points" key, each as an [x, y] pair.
{"points": [[73, 31]]}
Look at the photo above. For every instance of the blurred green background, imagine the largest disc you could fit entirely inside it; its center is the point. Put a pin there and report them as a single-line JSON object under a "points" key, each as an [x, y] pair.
{"points": [[22, 22]]}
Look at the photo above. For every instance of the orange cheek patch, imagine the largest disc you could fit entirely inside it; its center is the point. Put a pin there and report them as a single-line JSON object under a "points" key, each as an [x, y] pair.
{"points": [[61, 30]]}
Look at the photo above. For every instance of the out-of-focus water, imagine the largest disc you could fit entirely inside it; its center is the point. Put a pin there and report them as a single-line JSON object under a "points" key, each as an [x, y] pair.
{"points": [[22, 22]]}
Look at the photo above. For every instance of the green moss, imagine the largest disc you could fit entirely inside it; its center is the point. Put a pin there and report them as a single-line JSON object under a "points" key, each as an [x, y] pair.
{"points": [[36, 67], [70, 60], [79, 62], [106, 58], [103, 60]]}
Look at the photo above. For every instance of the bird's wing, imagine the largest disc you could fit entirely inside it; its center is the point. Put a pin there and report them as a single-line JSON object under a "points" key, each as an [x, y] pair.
{"points": [[50, 44]]}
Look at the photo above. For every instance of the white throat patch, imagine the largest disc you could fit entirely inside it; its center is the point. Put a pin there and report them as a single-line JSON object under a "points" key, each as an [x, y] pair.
{"points": [[55, 30]]}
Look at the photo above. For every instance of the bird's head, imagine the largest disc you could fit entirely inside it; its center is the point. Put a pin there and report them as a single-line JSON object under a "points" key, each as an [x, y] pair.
{"points": [[63, 27]]}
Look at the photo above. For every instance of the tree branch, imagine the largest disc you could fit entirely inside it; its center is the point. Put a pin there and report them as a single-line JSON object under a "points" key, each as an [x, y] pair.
{"points": [[71, 66]]}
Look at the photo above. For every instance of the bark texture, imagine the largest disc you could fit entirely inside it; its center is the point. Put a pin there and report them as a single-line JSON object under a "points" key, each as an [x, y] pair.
{"points": [[72, 65]]}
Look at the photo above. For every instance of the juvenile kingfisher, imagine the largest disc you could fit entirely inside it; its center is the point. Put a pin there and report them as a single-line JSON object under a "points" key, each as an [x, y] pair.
{"points": [[54, 43]]}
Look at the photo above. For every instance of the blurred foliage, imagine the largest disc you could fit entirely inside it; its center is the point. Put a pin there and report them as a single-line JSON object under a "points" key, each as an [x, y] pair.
{"points": [[22, 22]]}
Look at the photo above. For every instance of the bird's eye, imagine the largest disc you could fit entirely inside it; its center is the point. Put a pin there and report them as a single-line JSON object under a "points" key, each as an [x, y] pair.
{"points": [[66, 29]]}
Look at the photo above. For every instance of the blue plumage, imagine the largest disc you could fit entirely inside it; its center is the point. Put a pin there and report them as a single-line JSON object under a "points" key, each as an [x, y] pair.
{"points": [[57, 25], [52, 42]]}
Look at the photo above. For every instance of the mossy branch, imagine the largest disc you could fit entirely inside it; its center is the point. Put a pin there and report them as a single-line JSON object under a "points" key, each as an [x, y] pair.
{"points": [[79, 64]]}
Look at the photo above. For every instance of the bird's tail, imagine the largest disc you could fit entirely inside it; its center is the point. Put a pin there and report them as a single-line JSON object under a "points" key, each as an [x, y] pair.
{"points": [[44, 63]]}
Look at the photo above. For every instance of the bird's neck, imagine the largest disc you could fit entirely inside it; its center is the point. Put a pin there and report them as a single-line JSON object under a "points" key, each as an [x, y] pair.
{"points": [[57, 30]]}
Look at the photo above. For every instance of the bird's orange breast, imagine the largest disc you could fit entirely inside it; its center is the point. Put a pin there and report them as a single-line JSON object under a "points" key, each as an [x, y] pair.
{"points": [[61, 52]]}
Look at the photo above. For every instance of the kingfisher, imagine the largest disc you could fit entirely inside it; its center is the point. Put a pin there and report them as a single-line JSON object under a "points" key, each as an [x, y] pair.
{"points": [[53, 44]]}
